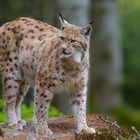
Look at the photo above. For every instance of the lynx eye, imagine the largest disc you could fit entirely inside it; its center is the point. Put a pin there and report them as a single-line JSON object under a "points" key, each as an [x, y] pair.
{"points": [[72, 41], [62, 38]]}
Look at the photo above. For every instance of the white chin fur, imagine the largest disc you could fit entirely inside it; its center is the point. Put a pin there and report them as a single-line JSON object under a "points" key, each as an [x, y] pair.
{"points": [[77, 57]]}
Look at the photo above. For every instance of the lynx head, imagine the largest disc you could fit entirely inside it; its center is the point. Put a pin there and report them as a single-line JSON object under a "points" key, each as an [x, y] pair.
{"points": [[74, 41]]}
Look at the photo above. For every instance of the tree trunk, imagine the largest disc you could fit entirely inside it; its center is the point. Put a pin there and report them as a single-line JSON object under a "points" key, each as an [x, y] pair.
{"points": [[106, 58]]}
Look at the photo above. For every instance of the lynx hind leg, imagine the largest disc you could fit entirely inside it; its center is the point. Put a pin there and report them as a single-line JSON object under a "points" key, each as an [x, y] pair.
{"points": [[42, 101], [22, 92], [78, 102], [11, 89]]}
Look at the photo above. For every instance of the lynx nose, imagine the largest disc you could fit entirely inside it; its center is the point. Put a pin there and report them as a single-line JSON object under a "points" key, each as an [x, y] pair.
{"points": [[64, 51]]}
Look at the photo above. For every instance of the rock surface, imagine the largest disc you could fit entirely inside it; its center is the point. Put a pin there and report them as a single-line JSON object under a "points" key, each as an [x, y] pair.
{"points": [[63, 129]]}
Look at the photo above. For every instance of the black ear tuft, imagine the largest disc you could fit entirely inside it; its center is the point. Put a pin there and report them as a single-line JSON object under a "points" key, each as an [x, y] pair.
{"points": [[92, 22], [61, 17], [62, 20]]}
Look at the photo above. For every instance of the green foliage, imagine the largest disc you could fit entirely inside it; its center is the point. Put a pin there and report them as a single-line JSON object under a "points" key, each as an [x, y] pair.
{"points": [[53, 112], [27, 113], [2, 114], [130, 20]]}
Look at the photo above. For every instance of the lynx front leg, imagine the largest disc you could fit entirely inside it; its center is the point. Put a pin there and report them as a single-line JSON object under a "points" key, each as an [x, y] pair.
{"points": [[22, 92], [11, 88], [42, 101], [78, 101]]}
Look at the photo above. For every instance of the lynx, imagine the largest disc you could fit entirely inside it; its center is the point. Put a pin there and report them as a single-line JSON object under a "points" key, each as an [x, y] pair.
{"points": [[33, 53]]}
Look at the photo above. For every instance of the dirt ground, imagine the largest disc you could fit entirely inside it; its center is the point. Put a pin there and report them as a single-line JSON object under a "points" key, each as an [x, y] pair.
{"points": [[63, 129]]}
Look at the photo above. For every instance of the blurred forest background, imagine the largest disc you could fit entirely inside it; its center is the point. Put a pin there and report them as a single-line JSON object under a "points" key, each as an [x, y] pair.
{"points": [[114, 87]]}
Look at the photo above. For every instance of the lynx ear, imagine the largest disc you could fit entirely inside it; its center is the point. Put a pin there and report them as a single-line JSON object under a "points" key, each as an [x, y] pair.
{"points": [[86, 31], [62, 20]]}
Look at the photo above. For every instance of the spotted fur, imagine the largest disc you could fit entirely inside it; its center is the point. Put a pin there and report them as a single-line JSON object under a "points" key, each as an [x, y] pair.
{"points": [[33, 53]]}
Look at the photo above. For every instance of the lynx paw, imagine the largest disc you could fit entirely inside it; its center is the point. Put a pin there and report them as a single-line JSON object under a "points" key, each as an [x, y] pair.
{"points": [[88, 130], [16, 127], [22, 122], [42, 130]]}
